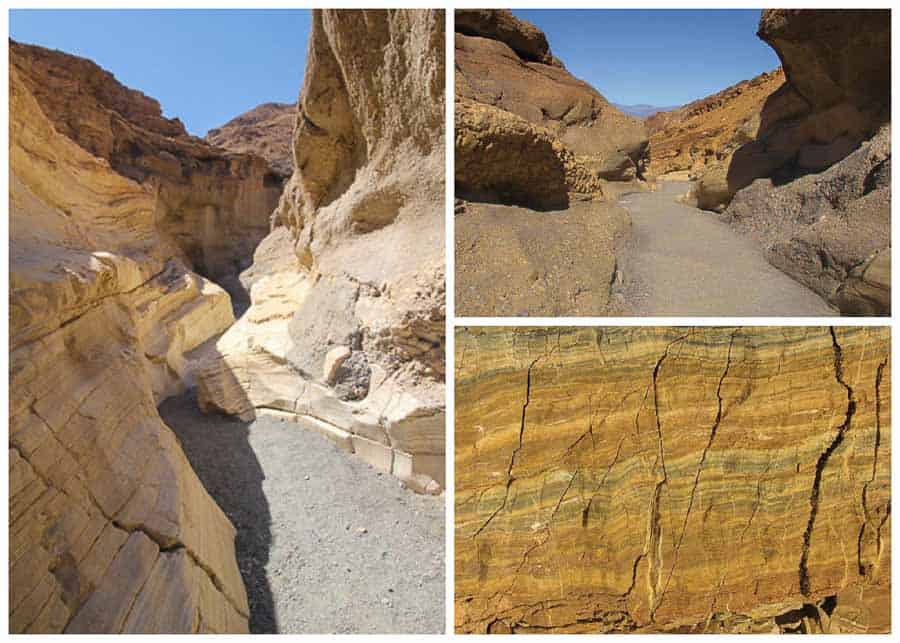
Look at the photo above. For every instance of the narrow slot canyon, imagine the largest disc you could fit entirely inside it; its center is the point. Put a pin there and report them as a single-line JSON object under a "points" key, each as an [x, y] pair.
{"points": [[226, 373]]}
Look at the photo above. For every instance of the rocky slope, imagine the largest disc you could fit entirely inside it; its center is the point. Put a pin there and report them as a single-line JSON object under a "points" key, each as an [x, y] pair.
{"points": [[705, 134], [110, 205], [823, 211], [265, 131], [345, 334], [673, 480], [506, 63]]}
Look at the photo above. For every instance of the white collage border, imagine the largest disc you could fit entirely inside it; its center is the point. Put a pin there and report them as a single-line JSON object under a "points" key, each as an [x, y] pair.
{"points": [[452, 321]]}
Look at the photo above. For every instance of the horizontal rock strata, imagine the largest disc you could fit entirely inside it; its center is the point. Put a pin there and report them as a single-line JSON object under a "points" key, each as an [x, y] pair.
{"points": [[673, 480], [110, 529], [345, 333]]}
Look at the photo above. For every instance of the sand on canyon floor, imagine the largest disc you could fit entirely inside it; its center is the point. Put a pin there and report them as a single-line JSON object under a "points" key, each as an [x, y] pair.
{"points": [[325, 543], [684, 261]]}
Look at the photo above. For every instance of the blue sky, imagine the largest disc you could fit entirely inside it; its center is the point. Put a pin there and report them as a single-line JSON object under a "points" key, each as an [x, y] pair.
{"points": [[203, 66], [658, 57]]}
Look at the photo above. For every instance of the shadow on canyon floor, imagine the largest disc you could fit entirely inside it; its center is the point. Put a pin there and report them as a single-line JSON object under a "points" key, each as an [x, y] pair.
{"points": [[218, 448], [325, 543]]}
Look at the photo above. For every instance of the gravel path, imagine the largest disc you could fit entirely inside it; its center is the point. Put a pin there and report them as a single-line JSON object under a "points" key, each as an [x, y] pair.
{"points": [[684, 261], [325, 543]]}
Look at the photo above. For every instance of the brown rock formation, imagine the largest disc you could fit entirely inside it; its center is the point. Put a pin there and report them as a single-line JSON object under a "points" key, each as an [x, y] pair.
{"points": [[266, 131], [673, 480], [503, 158], [214, 206], [358, 266], [704, 134], [506, 63], [110, 529], [815, 153]]}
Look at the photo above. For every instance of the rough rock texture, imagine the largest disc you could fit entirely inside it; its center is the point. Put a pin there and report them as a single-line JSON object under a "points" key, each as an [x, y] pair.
{"points": [[214, 206], [266, 131], [513, 261], [831, 230], [837, 94], [110, 529], [358, 262], [673, 479], [503, 158], [505, 63], [824, 212], [704, 134]]}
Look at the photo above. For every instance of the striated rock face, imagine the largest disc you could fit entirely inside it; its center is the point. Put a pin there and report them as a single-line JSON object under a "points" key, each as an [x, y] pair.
{"points": [[506, 63], [673, 480], [703, 135], [266, 131], [110, 529], [345, 333], [213, 206]]}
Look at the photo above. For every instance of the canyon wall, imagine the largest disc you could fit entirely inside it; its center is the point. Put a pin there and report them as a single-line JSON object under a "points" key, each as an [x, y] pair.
{"points": [[673, 480], [802, 166], [345, 334], [110, 529], [516, 103], [212, 205], [822, 209]]}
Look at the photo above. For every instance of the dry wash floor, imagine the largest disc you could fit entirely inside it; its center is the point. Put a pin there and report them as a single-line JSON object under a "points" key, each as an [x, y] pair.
{"points": [[325, 543]]}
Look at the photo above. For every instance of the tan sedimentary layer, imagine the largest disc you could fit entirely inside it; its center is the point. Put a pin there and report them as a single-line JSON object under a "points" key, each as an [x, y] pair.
{"points": [[212, 205], [672, 479], [110, 529]]}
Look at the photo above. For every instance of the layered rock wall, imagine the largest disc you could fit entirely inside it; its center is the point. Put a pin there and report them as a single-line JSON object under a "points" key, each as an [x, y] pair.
{"points": [[673, 479], [213, 206], [345, 334], [110, 529]]}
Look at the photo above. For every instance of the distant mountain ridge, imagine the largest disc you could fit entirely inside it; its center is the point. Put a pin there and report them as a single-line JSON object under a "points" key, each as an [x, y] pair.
{"points": [[642, 110]]}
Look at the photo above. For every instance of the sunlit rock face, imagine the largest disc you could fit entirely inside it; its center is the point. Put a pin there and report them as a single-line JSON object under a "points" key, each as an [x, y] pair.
{"points": [[110, 529], [345, 333], [673, 479]]}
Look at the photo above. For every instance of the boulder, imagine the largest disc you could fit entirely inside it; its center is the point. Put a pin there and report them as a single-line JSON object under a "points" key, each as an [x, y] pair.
{"points": [[491, 145]]}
